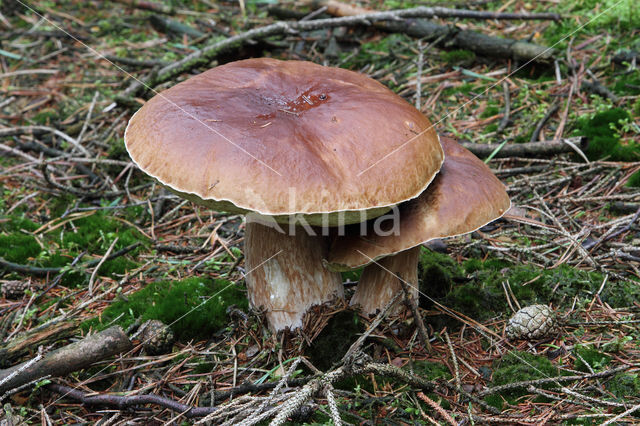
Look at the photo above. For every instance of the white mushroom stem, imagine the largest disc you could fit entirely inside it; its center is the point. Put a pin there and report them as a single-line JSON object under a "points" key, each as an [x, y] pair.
{"points": [[285, 274], [380, 280]]}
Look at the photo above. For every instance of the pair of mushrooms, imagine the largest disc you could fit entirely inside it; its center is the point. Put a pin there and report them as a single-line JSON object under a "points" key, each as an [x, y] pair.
{"points": [[334, 172]]}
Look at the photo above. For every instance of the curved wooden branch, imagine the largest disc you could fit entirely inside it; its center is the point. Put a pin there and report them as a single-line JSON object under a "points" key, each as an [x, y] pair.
{"points": [[67, 359]]}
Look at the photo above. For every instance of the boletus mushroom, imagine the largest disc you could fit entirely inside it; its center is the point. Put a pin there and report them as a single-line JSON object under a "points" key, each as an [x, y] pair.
{"points": [[464, 197], [293, 145]]}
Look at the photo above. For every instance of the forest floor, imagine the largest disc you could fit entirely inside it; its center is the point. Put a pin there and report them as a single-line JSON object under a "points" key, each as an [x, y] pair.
{"points": [[88, 241]]}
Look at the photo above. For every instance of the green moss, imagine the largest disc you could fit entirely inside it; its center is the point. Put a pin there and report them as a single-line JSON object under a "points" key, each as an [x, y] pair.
{"points": [[589, 17], [603, 138], [491, 128], [532, 285], [628, 84], [624, 385], [435, 275], [518, 366], [490, 112], [463, 89], [634, 180], [381, 52], [204, 367], [431, 370], [46, 116], [193, 307], [95, 233], [351, 275], [587, 353], [15, 223], [117, 150], [475, 288], [335, 338], [17, 247], [458, 57]]}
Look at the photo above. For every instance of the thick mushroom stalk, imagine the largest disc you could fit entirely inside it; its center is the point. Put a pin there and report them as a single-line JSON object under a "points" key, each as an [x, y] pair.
{"points": [[380, 281], [285, 275]]}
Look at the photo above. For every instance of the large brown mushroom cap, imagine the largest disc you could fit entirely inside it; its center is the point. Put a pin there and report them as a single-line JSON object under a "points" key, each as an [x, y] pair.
{"points": [[285, 137], [464, 197]]}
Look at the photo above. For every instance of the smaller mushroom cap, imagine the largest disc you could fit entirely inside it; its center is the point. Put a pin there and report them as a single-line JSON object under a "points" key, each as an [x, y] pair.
{"points": [[463, 197]]}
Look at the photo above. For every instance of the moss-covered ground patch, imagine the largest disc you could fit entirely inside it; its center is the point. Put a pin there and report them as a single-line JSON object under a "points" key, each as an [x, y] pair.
{"points": [[518, 366], [603, 136], [624, 385], [475, 287], [590, 359], [193, 307], [64, 239]]}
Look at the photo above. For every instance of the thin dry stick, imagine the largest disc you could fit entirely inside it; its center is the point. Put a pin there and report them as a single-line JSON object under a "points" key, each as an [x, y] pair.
{"points": [[591, 399], [622, 415], [24, 313], [536, 133], [377, 320], [14, 131], [507, 107], [438, 408], [413, 306], [88, 117], [454, 359], [206, 54], [419, 75], [549, 395], [95, 271], [565, 114]]}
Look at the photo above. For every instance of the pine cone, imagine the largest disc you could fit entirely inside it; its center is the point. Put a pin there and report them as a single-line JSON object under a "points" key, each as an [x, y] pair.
{"points": [[157, 338], [532, 322], [14, 289]]}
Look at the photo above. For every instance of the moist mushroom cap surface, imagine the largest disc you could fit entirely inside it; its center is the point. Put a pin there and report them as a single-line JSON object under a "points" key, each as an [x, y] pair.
{"points": [[284, 137], [464, 196]]}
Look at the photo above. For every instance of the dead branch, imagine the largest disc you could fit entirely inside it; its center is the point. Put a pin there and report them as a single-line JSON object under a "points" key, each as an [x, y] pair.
{"points": [[542, 148], [451, 37], [466, 38], [26, 342], [70, 358], [121, 402]]}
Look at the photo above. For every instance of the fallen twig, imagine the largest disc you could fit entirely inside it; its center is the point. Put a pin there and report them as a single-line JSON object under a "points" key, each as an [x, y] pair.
{"points": [[413, 306], [68, 359], [551, 147], [45, 334], [125, 401], [207, 54]]}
